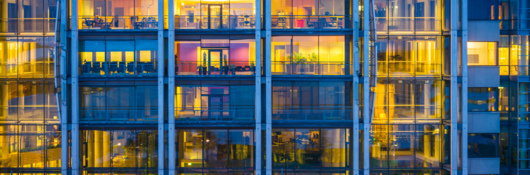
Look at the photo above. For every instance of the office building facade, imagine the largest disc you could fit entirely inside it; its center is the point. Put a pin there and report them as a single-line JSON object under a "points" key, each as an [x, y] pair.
{"points": [[266, 87]]}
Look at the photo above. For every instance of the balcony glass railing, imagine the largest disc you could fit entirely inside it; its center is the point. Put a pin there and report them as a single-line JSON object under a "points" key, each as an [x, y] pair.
{"points": [[118, 22], [215, 68], [117, 114], [27, 25], [119, 68], [310, 22], [221, 22], [215, 113], [312, 113], [288, 68]]}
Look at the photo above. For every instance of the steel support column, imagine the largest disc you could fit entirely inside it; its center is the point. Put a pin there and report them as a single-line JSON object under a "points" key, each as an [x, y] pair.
{"points": [[366, 87], [161, 88], [64, 87], [454, 87], [268, 89], [171, 89], [257, 95], [464, 88], [75, 90], [356, 90]]}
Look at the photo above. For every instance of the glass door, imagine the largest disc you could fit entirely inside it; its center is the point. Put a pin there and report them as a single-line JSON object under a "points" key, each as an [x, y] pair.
{"points": [[215, 16], [214, 62]]}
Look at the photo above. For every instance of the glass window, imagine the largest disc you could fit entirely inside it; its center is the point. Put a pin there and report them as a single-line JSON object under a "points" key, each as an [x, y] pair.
{"points": [[309, 14], [482, 53], [119, 148], [214, 101], [9, 103], [483, 145], [482, 99], [220, 14], [31, 101], [118, 14], [220, 149], [483, 10]]}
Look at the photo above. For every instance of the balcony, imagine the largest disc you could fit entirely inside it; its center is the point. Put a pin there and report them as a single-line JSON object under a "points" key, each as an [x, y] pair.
{"points": [[117, 22], [313, 113], [224, 22], [287, 68], [119, 114], [194, 68], [310, 22], [215, 114]]}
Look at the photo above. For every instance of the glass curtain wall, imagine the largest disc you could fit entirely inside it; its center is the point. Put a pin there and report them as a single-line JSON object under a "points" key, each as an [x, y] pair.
{"points": [[117, 14], [215, 151], [311, 100], [308, 14], [28, 17], [317, 150], [27, 57], [30, 146], [215, 56], [309, 55], [215, 14], [118, 57], [28, 102], [412, 147], [119, 149], [405, 17], [209, 100], [409, 56], [118, 103]]}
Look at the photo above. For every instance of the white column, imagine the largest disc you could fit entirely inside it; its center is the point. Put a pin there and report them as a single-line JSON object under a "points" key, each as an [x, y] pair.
{"points": [[171, 88], [356, 144], [257, 95], [366, 86], [454, 87], [75, 91], [464, 88], [161, 87]]}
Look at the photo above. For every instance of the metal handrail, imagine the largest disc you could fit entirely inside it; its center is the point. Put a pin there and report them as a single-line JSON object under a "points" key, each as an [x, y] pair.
{"points": [[215, 113], [118, 113]]}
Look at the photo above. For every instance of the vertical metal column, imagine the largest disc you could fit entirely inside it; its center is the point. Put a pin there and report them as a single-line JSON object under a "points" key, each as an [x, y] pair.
{"points": [[64, 88], [75, 90], [257, 96], [454, 87], [160, 87], [268, 87], [464, 88], [355, 73], [171, 88], [366, 87]]}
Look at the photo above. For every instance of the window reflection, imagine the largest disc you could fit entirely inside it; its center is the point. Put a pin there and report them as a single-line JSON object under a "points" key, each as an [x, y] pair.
{"points": [[310, 148], [408, 17], [214, 101], [119, 148], [30, 146], [311, 101], [119, 103], [405, 146], [219, 148], [28, 17], [308, 14]]}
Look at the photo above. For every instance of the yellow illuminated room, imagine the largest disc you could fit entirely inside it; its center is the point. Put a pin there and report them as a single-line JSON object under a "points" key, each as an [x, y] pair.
{"points": [[117, 14], [311, 55], [482, 53]]}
